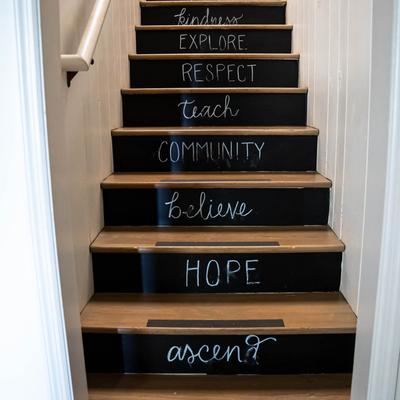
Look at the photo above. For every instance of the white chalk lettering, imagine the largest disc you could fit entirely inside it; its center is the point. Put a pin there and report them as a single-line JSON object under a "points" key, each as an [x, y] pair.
{"points": [[249, 270], [214, 273], [193, 151], [206, 209], [185, 18], [222, 42], [207, 72], [190, 110], [205, 354]]}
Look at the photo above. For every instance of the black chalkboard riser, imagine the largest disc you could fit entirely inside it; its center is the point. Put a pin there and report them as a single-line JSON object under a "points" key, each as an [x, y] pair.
{"points": [[176, 272], [213, 72], [183, 40], [185, 153], [263, 207], [268, 108], [286, 354], [210, 14]]}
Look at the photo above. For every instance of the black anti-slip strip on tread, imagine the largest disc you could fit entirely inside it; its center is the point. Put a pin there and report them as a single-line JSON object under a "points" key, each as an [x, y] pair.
{"points": [[236, 244], [209, 180], [197, 323]]}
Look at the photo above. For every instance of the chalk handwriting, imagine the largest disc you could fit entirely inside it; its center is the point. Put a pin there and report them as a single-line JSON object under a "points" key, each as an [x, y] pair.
{"points": [[185, 18], [206, 354], [206, 209], [190, 110], [178, 151], [215, 273], [207, 72], [212, 42]]}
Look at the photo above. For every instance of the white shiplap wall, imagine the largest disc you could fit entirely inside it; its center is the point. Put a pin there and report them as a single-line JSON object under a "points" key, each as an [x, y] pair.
{"points": [[333, 38], [91, 108]]}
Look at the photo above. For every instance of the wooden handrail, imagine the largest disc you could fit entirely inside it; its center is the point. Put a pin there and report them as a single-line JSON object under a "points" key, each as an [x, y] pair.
{"points": [[81, 61]]}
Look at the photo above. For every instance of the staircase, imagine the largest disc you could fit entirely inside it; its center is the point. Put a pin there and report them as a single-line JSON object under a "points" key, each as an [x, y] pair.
{"points": [[216, 275]]}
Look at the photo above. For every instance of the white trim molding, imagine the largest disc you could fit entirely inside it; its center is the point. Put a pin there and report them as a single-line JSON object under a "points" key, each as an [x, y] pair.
{"points": [[386, 335], [34, 346]]}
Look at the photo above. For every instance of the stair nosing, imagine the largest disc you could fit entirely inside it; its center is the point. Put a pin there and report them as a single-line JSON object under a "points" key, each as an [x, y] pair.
{"points": [[215, 180], [281, 27], [135, 301], [189, 56], [216, 131], [211, 387], [212, 3], [241, 90], [116, 243]]}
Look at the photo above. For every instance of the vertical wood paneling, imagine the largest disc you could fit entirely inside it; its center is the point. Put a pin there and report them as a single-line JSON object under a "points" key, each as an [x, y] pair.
{"points": [[332, 134], [93, 108], [335, 65], [356, 144]]}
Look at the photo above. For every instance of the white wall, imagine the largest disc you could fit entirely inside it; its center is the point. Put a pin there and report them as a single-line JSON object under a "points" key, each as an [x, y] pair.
{"points": [[334, 41], [91, 108], [79, 121], [33, 358]]}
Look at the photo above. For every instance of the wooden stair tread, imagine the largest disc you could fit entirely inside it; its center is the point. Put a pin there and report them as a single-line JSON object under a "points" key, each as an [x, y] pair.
{"points": [[309, 313], [203, 387], [216, 180], [212, 3], [249, 130], [209, 239], [211, 56], [232, 90], [280, 27]]}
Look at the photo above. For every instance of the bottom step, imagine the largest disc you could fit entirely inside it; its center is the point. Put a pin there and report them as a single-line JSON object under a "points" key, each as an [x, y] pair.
{"points": [[164, 387]]}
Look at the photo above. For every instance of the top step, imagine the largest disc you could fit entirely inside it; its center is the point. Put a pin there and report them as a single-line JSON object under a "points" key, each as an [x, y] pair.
{"points": [[212, 12]]}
